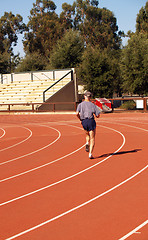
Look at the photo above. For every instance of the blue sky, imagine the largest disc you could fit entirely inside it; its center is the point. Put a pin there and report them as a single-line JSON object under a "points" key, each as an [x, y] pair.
{"points": [[125, 12]]}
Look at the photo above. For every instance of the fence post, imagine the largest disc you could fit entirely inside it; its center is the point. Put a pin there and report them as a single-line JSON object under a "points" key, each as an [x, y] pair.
{"points": [[75, 106], [11, 78], [145, 104], [112, 104], [54, 75], [32, 107], [31, 76], [1, 78], [44, 96], [8, 107]]}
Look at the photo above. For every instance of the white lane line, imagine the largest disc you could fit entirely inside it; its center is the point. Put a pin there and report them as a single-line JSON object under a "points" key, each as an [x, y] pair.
{"points": [[39, 167], [127, 125], [77, 207], [18, 142], [134, 230], [4, 132], [70, 177], [38, 150], [44, 165]]}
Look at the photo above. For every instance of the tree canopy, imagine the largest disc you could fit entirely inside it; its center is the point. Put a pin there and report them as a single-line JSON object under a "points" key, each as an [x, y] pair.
{"points": [[96, 72], [43, 28], [135, 65], [82, 36], [10, 27], [68, 51], [142, 20]]}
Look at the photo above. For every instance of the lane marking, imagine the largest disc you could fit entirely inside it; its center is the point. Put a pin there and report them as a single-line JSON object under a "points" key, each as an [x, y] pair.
{"points": [[44, 165], [18, 142], [128, 125], [70, 177], [38, 150], [4, 132], [134, 230], [78, 207]]}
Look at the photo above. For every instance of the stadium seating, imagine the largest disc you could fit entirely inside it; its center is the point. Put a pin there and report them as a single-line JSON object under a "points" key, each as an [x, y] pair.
{"points": [[29, 91]]}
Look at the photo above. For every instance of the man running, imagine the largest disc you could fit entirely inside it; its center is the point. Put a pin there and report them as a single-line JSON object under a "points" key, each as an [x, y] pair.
{"points": [[85, 112]]}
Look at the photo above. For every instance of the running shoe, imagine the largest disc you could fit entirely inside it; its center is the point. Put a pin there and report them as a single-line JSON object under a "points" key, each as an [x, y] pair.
{"points": [[87, 148], [91, 156]]}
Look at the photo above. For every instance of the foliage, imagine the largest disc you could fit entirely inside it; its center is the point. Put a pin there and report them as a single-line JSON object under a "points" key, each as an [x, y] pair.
{"points": [[31, 62], [142, 20], [83, 36], [135, 65], [128, 105], [4, 58], [10, 27], [68, 51], [97, 26], [97, 72], [43, 28]]}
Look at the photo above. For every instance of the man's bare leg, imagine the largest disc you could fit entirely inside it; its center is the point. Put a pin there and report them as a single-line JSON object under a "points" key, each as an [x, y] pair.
{"points": [[87, 141], [92, 141], [87, 137]]}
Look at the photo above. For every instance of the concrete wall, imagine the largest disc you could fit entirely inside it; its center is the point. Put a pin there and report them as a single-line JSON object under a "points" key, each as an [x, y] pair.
{"points": [[66, 95], [31, 76]]}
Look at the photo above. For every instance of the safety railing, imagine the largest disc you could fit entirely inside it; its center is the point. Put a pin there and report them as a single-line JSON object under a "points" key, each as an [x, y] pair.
{"points": [[38, 107], [54, 84], [144, 101]]}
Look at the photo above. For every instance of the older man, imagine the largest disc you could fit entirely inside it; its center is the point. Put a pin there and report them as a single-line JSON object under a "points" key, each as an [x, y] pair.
{"points": [[86, 111]]}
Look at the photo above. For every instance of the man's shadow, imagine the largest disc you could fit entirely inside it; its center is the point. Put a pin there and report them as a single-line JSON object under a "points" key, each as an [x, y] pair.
{"points": [[118, 153]]}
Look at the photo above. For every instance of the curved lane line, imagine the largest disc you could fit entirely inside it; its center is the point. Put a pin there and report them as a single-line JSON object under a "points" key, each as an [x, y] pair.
{"points": [[44, 165], [127, 125], [70, 177], [18, 142], [134, 231], [77, 207], [28, 154], [4, 132]]}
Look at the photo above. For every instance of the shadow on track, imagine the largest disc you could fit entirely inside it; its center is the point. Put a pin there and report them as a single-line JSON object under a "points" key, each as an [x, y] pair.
{"points": [[118, 153]]}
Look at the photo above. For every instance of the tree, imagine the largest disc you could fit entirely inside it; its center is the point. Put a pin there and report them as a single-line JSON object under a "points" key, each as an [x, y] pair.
{"points": [[97, 26], [67, 52], [10, 27], [66, 17], [97, 72], [43, 28], [135, 65], [142, 20], [31, 62]]}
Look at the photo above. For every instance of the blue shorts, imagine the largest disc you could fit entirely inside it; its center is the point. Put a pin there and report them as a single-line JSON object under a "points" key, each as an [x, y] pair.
{"points": [[89, 124]]}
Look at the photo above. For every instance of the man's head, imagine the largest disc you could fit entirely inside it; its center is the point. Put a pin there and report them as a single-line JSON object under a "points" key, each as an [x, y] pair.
{"points": [[87, 94]]}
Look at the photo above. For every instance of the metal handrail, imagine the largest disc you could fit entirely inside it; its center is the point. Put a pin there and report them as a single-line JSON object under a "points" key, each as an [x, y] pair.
{"points": [[56, 83]]}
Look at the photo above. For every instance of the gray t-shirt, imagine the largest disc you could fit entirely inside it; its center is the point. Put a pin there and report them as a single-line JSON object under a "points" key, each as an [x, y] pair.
{"points": [[87, 109]]}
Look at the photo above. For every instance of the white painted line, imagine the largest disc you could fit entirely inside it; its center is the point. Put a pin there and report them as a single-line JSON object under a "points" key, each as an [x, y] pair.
{"points": [[127, 125], [4, 132], [39, 167], [70, 177], [14, 145], [44, 165], [77, 207], [38, 150], [134, 230]]}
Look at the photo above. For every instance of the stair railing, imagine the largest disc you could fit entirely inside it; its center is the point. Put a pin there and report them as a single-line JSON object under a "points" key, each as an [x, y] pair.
{"points": [[52, 86]]}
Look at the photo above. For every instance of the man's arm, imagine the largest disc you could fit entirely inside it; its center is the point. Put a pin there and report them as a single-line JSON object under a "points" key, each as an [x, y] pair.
{"points": [[78, 115]]}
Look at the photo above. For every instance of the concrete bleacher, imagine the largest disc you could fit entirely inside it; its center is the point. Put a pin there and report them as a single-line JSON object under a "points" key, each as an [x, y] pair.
{"points": [[29, 90]]}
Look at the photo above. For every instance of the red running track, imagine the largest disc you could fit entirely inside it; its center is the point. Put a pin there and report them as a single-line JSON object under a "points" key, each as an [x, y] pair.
{"points": [[51, 190]]}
